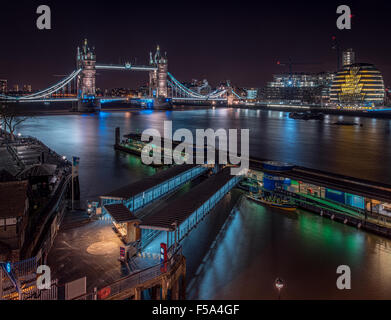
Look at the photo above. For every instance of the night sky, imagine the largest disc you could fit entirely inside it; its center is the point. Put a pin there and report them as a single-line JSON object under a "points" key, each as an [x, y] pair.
{"points": [[217, 40]]}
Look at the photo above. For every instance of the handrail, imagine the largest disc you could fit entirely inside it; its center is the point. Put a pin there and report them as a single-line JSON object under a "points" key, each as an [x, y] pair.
{"points": [[136, 278]]}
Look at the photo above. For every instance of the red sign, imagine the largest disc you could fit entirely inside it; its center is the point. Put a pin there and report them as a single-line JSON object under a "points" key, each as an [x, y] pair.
{"points": [[122, 253], [104, 293], [163, 257]]}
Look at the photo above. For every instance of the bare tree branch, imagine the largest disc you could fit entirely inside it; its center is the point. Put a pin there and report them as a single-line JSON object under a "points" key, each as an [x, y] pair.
{"points": [[11, 118]]}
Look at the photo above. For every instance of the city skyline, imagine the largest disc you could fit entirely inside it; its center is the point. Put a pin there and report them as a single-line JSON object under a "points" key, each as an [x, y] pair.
{"points": [[231, 45]]}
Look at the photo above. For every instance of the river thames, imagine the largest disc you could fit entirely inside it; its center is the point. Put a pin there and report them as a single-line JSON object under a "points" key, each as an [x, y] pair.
{"points": [[258, 243]]}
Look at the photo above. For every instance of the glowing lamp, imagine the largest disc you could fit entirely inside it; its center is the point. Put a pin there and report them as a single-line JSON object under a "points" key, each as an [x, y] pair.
{"points": [[279, 284]]}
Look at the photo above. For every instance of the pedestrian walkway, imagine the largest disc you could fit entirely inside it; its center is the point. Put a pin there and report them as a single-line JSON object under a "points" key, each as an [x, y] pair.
{"points": [[90, 250], [75, 219]]}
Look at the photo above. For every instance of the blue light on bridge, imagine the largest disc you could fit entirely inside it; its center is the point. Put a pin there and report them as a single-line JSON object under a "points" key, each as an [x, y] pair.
{"points": [[8, 267], [103, 114], [102, 101], [146, 112]]}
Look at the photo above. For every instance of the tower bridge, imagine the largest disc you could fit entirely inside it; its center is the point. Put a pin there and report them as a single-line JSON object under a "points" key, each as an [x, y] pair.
{"points": [[164, 88]]}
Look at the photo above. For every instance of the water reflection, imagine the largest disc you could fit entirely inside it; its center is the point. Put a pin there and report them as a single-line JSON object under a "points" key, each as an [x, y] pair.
{"points": [[259, 244], [317, 144], [262, 244]]}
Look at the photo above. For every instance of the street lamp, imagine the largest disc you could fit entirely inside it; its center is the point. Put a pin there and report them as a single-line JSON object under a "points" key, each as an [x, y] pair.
{"points": [[279, 284]]}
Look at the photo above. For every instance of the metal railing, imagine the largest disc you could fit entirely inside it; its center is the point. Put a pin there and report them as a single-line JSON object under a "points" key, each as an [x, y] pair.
{"points": [[135, 279]]}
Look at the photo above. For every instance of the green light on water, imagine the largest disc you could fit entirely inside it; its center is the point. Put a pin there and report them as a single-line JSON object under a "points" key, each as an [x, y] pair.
{"points": [[326, 235]]}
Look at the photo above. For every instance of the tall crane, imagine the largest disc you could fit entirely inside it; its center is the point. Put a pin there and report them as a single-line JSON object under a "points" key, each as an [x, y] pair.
{"points": [[335, 46]]}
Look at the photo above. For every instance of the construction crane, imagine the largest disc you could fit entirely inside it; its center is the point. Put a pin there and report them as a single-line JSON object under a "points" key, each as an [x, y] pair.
{"points": [[290, 64], [335, 46]]}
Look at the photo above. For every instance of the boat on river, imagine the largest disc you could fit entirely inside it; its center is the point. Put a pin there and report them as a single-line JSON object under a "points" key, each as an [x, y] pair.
{"points": [[279, 204], [306, 115]]}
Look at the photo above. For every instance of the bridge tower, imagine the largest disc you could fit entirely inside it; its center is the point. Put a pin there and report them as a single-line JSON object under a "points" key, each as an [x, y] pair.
{"points": [[86, 60], [162, 70], [152, 77], [158, 78]]}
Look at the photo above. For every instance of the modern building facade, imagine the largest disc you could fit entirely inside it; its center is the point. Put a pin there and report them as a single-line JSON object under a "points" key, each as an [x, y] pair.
{"points": [[348, 57], [312, 88], [252, 94], [359, 85]]}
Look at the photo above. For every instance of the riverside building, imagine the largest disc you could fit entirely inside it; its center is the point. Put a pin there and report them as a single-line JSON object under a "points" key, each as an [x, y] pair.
{"points": [[358, 85], [309, 88]]}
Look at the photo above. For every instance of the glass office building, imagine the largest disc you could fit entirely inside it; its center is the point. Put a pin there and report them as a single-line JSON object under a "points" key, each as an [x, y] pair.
{"points": [[359, 85]]}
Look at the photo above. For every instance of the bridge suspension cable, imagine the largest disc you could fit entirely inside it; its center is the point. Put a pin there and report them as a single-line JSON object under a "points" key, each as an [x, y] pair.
{"points": [[46, 92], [175, 84], [238, 96]]}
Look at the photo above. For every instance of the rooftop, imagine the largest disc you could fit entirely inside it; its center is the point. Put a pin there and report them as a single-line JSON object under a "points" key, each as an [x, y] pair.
{"points": [[365, 188], [142, 185], [182, 207], [120, 213]]}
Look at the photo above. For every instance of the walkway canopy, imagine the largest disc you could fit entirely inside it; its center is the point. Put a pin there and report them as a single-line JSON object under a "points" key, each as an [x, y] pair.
{"points": [[143, 185], [143, 192], [120, 213], [198, 201]]}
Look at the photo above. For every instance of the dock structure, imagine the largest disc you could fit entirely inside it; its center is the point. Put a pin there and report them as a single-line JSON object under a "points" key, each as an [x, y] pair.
{"points": [[183, 214], [358, 202], [163, 281], [124, 203], [143, 192]]}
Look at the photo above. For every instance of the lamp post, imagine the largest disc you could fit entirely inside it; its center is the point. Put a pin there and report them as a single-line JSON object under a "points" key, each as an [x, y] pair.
{"points": [[279, 284]]}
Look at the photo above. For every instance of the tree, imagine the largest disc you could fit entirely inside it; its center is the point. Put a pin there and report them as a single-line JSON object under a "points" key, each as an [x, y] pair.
{"points": [[10, 119]]}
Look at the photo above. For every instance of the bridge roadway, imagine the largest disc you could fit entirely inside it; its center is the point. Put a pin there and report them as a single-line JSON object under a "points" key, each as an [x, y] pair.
{"points": [[128, 67]]}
